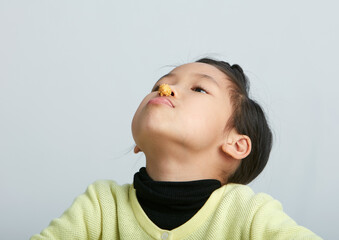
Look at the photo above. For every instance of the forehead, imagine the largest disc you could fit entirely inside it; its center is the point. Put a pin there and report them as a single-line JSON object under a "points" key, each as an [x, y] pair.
{"points": [[197, 67]]}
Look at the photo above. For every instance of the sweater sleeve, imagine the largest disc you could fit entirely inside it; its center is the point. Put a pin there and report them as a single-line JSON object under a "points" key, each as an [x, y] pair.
{"points": [[271, 222], [81, 221]]}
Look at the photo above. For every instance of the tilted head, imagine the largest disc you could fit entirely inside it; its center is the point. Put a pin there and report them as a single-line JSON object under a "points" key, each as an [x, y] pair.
{"points": [[206, 127]]}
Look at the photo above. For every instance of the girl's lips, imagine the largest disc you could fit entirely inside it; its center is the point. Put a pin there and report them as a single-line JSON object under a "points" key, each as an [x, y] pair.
{"points": [[161, 100]]}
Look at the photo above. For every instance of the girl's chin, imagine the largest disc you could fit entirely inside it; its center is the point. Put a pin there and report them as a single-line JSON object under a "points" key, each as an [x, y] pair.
{"points": [[156, 125], [156, 137]]}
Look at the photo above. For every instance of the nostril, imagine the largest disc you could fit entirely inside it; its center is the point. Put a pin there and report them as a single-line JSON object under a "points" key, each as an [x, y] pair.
{"points": [[172, 93]]}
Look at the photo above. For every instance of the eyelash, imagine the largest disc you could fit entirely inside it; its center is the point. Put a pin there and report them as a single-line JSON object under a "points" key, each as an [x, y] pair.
{"points": [[199, 87], [156, 88]]}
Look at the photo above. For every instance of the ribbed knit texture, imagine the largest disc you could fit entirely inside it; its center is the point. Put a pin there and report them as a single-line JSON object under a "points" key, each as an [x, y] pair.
{"points": [[171, 204], [109, 211]]}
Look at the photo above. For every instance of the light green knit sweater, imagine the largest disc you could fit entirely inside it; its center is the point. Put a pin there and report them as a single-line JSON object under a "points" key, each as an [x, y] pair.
{"points": [[110, 211]]}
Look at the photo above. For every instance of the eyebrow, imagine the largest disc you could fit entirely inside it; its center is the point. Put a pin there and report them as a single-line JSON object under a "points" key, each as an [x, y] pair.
{"points": [[200, 75]]}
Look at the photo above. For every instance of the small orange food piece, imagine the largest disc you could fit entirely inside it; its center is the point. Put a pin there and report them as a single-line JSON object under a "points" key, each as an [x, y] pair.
{"points": [[164, 90]]}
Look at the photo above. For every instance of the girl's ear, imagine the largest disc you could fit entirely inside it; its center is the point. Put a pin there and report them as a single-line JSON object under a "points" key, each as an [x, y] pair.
{"points": [[137, 149], [237, 146]]}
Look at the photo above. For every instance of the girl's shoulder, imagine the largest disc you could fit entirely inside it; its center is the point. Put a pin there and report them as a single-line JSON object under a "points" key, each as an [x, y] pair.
{"points": [[109, 183], [261, 214], [108, 188], [243, 194]]}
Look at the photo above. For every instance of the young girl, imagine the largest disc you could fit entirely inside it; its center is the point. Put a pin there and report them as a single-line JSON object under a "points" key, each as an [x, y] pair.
{"points": [[204, 139]]}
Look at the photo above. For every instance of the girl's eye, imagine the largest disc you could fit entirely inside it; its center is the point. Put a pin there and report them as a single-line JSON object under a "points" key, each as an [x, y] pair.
{"points": [[199, 89], [155, 88]]}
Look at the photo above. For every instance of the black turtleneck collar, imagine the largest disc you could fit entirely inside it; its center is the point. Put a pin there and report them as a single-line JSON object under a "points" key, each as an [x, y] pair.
{"points": [[171, 204]]}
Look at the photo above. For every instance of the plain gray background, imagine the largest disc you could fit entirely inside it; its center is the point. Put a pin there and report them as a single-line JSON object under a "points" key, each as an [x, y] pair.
{"points": [[72, 74]]}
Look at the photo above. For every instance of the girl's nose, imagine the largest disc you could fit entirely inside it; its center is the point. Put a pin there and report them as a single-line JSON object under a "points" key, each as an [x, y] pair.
{"points": [[165, 90]]}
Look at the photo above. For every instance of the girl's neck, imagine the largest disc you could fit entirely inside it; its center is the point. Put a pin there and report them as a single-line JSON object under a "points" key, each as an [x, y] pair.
{"points": [[184, 170]]}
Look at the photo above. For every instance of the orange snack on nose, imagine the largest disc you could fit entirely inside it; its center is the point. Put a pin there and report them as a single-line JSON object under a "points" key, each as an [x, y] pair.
{"points": [[164, 90]]}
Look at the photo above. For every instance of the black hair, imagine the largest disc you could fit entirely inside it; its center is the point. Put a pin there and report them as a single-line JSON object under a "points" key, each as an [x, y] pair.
{"points": [[247, 118]]}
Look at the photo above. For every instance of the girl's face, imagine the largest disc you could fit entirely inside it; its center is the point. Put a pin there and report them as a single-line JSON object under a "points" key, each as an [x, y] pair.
{"points": [[195, 115]]}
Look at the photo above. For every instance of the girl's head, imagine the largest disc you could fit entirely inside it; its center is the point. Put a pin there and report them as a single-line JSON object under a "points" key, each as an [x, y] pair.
{"points": [[207, 128]]}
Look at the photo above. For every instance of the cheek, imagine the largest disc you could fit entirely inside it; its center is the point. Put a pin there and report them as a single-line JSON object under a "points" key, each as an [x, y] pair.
{"points": [[212, 118], [136, 117], [201, 118]]}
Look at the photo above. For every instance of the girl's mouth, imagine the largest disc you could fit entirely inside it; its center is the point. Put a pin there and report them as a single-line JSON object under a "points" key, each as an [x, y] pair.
{"points": [[161, 100]]}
